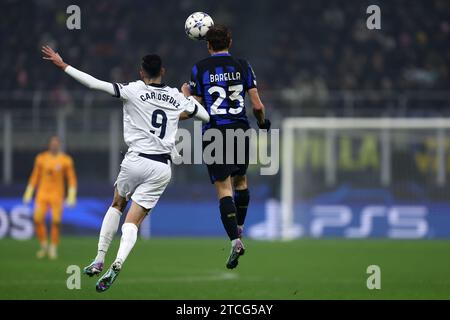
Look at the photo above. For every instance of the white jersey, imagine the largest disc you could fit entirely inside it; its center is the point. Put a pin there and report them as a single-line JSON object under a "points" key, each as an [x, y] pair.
{"points": [[150, 116]]}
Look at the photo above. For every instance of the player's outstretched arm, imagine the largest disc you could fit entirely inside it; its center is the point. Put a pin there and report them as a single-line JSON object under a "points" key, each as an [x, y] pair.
{"points": [[193, 107], [258, 109], [84, 78]]}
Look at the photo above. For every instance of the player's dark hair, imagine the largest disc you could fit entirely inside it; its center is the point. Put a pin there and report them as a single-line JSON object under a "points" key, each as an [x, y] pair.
{"points": [[152, 65], [219, 37]]}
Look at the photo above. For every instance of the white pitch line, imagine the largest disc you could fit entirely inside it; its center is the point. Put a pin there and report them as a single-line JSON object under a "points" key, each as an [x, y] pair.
{"points": [[216, 277], [187, 279]]}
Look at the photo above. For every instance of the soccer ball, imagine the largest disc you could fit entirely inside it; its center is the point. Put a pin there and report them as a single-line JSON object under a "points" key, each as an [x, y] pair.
{"points": [[197, 25]]}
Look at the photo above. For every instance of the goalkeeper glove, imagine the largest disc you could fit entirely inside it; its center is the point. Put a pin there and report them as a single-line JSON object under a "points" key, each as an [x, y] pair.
{"points": [[28, 194], [71, 197], [265, 125]]}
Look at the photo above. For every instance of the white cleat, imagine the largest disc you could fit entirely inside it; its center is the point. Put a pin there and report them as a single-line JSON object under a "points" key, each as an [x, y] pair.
{"points": [[41, 253]]}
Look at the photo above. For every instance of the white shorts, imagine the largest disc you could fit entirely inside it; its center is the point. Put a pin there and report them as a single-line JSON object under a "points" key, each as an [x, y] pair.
{"points": [[142, 179]]}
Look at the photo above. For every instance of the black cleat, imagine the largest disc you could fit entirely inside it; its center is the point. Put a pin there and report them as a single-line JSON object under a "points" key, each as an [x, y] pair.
{"points": [[237, 251], [93, 269], [240, 233], [106, 281]]}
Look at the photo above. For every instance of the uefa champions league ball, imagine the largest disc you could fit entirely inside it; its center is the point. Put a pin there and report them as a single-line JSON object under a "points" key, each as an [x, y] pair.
{"points": [[197, 25]]}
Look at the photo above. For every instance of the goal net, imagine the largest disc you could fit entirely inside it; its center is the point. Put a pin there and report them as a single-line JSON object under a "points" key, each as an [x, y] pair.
{"points": [[365, 177]]}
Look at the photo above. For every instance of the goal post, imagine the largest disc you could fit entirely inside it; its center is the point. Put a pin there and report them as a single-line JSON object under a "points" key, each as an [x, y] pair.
{"points": [[330, 128]]}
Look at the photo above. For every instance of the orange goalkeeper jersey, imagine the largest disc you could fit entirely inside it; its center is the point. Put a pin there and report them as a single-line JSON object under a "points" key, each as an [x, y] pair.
{"points": [[48, 175]]}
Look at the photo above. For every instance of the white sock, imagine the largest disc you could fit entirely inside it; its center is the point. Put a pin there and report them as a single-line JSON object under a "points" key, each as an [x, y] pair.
{"points": [[109, 228], [129, 237]]}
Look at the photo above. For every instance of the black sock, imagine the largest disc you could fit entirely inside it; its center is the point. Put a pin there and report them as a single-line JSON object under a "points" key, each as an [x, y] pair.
{"points": [[241, 199], [228, 216]]}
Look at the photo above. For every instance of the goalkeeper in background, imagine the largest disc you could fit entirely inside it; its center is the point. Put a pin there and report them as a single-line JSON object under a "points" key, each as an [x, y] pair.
{"points": [[51, 168]]}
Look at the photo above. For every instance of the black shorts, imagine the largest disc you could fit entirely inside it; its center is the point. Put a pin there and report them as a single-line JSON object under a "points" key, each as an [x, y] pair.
{"points": [[221, 171]]}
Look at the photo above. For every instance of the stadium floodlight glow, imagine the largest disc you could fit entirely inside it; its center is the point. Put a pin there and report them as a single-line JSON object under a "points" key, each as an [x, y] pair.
{"points": [[384, 125]]}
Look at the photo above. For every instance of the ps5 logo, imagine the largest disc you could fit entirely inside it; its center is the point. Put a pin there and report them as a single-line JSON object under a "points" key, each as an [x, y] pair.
{"points": [[18, 224], [403, 221]]}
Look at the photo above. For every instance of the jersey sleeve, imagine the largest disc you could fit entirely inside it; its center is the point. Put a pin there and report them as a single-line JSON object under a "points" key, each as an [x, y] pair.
{"points": [[125, 90], [250, 77], [185, 104], [195, 83], [37, 171], [193, 108]]}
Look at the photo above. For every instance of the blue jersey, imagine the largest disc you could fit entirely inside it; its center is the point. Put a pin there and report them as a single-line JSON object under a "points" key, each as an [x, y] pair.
{"points": [[222, 81]]}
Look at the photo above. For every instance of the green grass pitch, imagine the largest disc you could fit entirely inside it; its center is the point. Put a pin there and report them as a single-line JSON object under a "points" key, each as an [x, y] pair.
{"points": [[194, 268]]}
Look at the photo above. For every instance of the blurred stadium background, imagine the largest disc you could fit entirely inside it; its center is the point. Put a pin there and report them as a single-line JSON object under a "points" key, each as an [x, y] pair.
{"points": [[311, 58]]}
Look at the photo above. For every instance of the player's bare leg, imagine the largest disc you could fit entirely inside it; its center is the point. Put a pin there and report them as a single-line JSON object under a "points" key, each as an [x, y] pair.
{"points": [[135, 216], [109, 228], [228, 216], [241, 200]]}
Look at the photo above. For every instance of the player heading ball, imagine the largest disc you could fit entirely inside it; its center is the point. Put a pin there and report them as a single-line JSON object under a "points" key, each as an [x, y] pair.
{"points": [[220, 82]]}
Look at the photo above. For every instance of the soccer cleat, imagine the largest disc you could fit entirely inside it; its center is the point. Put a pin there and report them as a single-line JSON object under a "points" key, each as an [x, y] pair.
{"points": [[41, 253], [240, 233], [93, 269], [236, 251], [109, 277]]}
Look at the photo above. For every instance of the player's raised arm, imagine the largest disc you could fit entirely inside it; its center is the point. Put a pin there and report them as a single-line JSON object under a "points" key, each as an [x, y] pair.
{"points": [[193, 108], [258, 109], [84, 78]]}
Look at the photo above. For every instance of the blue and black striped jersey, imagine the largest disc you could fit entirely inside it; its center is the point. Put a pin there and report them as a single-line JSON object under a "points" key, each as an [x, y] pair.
{"points": [[222, 81]]}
